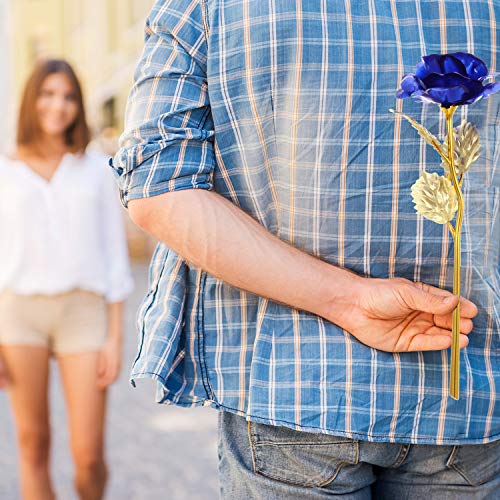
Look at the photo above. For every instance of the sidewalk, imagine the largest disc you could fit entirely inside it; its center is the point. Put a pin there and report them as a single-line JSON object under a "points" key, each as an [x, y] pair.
{"points": [[154, 451]]}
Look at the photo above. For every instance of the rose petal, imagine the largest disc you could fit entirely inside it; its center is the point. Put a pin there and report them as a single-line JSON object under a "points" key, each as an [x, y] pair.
{"points": [[448, 80], [401, 94], [491, 88], [472, 100], [450, 64], [423, 97], [421, 71], [410, 84], [449, 96], [475, 67], [432, 64]]}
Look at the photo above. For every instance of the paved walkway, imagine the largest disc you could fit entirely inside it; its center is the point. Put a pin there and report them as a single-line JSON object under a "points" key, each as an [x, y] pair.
{"points": [[154, 451]]}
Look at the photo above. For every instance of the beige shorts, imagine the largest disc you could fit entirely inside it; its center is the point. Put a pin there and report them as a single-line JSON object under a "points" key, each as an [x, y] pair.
{"points": [[68, 322]]}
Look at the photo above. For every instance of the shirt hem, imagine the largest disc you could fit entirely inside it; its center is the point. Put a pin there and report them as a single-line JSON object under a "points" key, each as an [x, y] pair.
{"points": [[376, 438], [171, 398]]}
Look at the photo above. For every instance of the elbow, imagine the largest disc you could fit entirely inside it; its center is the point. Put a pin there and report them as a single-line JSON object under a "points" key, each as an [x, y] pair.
{"points": [[148, 212], [139, 211]]}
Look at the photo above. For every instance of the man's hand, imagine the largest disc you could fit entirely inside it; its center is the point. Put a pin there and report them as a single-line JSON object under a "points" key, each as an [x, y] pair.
{"points": [[399, 315]]}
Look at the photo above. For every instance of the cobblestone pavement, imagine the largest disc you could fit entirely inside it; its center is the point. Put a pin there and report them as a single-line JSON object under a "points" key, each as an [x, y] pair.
{"points": [[153, 451]]}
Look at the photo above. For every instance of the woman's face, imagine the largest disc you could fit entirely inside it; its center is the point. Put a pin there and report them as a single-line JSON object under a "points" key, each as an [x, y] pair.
{"points": [[56, 105]]}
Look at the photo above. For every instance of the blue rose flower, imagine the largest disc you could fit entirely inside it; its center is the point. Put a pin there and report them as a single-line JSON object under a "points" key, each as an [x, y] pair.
{"points": [[449, 80]]}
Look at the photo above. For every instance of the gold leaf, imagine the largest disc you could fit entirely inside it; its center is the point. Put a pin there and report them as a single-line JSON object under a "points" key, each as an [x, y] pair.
{"points": [[424, 133], [466, 148], [434, 197]]}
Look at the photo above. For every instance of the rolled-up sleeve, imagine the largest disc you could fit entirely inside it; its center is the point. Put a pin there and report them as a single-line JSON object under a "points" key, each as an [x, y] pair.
{"points": [[167, 144]]}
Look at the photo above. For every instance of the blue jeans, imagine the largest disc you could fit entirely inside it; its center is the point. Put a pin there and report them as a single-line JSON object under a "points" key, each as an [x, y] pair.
{"points": [[258, 461]]}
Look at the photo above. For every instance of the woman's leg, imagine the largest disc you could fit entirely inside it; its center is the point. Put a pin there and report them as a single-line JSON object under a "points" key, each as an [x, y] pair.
{"points": [[28, 371], [86, 406]]}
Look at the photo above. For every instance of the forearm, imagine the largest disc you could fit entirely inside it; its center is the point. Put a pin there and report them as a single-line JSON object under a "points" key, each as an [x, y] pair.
{"points": [[214, 234]]}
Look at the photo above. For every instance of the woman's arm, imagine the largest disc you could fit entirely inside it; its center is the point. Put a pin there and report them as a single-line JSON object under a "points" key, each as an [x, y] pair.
{"points": [[110, 356], [3, 374], [118, 277]]}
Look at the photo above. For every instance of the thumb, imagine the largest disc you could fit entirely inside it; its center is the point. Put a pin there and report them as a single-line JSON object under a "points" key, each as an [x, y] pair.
{"points": [[431, 303]]}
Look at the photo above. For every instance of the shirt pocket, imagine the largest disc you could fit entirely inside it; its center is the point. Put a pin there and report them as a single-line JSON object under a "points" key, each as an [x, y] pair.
{"points": [[299, 458]]}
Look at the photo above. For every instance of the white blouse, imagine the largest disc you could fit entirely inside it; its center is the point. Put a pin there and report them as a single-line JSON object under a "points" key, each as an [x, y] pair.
{"points": [[64, 233]]}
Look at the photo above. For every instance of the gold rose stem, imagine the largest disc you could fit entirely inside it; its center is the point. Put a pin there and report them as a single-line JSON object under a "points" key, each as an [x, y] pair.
{"points": [[455, 345]]}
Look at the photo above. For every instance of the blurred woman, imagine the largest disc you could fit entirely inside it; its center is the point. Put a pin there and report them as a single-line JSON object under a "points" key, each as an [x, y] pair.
{"points": [[64, 276]]}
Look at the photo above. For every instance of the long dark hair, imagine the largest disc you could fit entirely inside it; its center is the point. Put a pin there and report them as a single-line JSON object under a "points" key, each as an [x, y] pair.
{"points": [[77, 136]]}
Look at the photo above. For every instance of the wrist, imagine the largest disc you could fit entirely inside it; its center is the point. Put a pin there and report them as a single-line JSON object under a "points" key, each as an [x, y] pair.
{"points": [[341, 295]]}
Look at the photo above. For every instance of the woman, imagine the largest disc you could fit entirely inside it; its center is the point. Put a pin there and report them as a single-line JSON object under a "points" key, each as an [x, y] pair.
{"points": [[64, 276]]}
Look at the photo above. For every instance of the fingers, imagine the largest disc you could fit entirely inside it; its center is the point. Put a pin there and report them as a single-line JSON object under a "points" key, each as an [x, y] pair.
{"points": [[102, 368], [3, 380], [435, 339], [419, 300], [467, 308], [422, 297], [111, 373], [466, 324], [107, 373]]}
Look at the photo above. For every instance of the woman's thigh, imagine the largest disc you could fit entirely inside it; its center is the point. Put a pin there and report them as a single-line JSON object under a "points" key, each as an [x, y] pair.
{"points": [[86, 404], [26, 320], [27, 369], [82, 324]]}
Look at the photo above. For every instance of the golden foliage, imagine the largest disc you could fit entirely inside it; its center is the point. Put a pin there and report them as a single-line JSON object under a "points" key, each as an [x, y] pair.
{"points": [[434, 197], [466, 148], [424, 133]]}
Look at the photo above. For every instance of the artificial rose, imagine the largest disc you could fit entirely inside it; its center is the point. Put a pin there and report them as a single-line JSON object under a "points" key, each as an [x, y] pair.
{"points": [[449, 80]]}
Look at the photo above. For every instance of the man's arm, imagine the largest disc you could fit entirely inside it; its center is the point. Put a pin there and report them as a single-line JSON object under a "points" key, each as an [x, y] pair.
{"points": [[387, 314], [214, 234]]}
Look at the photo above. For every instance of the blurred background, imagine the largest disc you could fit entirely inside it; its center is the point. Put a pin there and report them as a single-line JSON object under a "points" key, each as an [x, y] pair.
{"points": [[153, 451], [102, 39]]}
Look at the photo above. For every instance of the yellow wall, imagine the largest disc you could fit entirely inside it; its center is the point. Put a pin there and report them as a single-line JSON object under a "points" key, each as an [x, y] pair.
{"points": [[38, 29], [6, 80], [101, 38]]}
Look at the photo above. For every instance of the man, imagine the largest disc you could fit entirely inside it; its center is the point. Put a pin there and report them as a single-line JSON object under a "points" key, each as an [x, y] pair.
{"points": [[294, 287]]}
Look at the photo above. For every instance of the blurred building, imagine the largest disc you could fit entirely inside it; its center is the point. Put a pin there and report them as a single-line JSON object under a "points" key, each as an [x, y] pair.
{"points": [[6, 88], [103, 39]]}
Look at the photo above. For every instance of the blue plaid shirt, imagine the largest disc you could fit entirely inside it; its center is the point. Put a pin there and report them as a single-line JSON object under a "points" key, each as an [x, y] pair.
{"points": [[283, 108]]}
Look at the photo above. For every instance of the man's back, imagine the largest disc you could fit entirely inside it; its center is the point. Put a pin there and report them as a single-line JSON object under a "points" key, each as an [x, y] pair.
{"points": [[290, 101]]}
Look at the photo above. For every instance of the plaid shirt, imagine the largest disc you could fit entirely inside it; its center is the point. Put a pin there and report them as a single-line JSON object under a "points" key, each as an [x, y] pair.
{"points": [[283, 108]]}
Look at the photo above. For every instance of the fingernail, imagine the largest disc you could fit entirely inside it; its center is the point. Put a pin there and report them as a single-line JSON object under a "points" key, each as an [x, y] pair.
{"points": [[448, 300]]}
